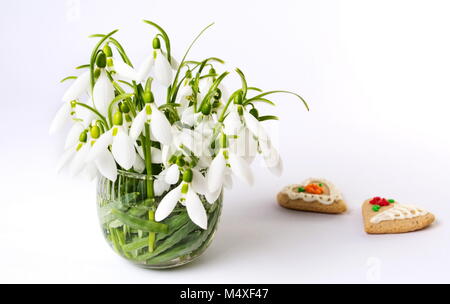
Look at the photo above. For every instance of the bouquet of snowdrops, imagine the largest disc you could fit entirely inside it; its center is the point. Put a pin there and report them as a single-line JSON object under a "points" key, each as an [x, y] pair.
{"points": [[187, 145]]}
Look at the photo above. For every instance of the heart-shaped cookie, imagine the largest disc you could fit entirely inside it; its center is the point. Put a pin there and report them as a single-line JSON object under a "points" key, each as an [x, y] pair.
{"points": [[387, 216], [315, 195]]}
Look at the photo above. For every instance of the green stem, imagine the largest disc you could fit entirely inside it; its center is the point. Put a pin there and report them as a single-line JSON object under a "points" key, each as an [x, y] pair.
{"points": [[150, 189]]}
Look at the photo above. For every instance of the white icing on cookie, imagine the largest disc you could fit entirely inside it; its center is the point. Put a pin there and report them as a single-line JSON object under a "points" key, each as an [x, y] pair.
{"points": [[398, 212], [326, 199]]}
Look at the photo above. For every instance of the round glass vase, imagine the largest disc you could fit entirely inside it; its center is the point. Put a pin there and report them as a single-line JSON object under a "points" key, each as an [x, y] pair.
{"points": [[127, 220]]}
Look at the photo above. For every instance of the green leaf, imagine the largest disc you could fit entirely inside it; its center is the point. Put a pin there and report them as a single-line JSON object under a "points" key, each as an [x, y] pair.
{"points": [[254, 89], [265, 100], [279, 91], [140, 224], [84, 66], [244, 83], [170, 241], [68, 78], [267, 117]]}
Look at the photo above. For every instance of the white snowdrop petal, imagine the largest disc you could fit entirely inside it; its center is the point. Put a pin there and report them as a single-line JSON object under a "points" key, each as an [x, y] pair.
{"points": [[61, 118], [196, 210], [255, 126], [161, 127], [216, 173], [78, 87], [91, 171], [100, 145], [188, 117], [123, 150], [140, 150], [212, 197], [145, 68], [182, 96], [73, 137], [139, 164], [160, 186], [163, 70], [172, 175], [228, 181], [79, 160], [240, 168], [156, 156], [106, 165], [125, 71], [138, 124], [272, 158], [65, 157], [103, 93], [199, 182], [167, 204], [232, 124]]}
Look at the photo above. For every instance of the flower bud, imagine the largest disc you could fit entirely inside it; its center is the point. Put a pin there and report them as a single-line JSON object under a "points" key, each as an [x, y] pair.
{"points": [[212, 71], [148, 97], [180, 161], [107, 50], [187, 176], [83, 137], [101, 60], [95, 132], [156, 43], [124, 108], [173, 159], [254, 112], [118, 118], [206, 108]]}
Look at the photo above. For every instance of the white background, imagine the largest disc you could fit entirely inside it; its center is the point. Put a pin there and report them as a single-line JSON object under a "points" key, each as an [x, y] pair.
{"points": [[376, 75]]}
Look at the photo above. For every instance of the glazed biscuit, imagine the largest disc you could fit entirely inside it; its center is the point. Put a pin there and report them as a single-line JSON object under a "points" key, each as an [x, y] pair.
{"points": [[314, 195], [383, 216]]}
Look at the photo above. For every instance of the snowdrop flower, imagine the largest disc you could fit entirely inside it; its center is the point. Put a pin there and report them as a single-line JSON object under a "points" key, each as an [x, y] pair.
{"points": [[78, 87], [122, 146], [160, 126], [103, 92], [68, 112], [160, 65], [193, 183], [237, 123], [77, 153], [223, 161]]}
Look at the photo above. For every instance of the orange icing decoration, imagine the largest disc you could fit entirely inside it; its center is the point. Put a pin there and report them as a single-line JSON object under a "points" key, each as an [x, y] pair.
{"points": [[314, 189]]}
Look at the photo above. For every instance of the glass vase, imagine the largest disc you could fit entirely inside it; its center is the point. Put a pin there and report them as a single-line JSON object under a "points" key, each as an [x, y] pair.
{"points": [[127, 220]]}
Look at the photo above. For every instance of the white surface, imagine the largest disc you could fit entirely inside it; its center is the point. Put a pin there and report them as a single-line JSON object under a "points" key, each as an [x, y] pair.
{"points": [[375, 74]]}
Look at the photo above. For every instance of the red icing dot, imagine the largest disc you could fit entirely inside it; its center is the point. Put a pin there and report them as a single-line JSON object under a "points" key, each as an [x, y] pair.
{"points": [[379, 201]]}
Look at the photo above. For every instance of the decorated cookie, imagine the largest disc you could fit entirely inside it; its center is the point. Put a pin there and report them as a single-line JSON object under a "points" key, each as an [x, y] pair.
{"points": [[387, 216], [315, 195]]}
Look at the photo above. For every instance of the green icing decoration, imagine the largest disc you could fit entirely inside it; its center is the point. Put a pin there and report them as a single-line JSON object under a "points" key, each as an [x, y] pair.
{"points": [[391, 201], [376, 208], [301, 189]]}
